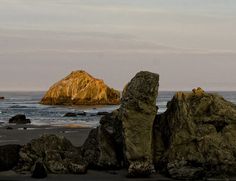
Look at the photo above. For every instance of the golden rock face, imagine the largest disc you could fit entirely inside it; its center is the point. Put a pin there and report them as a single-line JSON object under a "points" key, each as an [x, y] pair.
{"points": [[199, 92], [80, 88]]}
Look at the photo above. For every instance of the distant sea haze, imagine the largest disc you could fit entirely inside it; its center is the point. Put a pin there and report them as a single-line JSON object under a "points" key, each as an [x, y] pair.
{"points": [[28, 103]]}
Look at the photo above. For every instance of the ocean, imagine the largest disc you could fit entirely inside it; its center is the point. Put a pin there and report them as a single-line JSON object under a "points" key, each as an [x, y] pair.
{"points": [[28, 103]]}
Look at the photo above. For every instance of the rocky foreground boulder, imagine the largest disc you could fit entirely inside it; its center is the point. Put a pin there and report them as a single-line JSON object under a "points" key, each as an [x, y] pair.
{"points": [[80, 88], [103, 149], [137, 113], [124, 137], [53, 153], [196, 136]]}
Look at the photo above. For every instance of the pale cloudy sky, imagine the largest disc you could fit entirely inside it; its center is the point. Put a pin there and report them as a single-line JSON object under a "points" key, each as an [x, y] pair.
{"points": [[189, 43]]}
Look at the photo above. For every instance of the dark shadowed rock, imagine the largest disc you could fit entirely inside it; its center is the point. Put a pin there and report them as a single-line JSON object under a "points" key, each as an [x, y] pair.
{"points": [[1, 98], [137, 113], [19, 119], [9, 156], [196, 136], [70, 114], [103, 147], [90, 149], [39, 170], [58, 155]]}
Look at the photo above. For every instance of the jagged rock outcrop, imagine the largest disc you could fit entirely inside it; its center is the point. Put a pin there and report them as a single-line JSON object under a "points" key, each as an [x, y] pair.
{"points": [[124, 137], [56, 152], [196, 136], [80, 88], [137, 114]]}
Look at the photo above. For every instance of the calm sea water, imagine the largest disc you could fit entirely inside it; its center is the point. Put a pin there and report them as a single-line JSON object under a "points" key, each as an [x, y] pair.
{"points": [[28, 103]]}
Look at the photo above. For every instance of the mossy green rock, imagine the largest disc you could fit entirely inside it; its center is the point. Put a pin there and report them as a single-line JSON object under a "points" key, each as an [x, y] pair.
{"points": [[196, 136], [124, 137], [137, 113], [56, 152]]}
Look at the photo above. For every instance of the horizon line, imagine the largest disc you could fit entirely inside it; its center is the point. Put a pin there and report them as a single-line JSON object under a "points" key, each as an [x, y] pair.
{"points": [[160, 90]]}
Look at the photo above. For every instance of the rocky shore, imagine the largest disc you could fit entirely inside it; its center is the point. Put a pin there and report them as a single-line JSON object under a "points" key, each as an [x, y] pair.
{"points": [[194, 139]]}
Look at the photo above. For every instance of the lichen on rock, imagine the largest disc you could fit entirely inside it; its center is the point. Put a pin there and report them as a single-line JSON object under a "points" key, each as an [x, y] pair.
{"points": [[196, 136], [124, 137], [55, 152], [137, 113]]}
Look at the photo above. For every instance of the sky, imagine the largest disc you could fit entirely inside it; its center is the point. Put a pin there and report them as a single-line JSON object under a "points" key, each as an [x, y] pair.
{"points": [[189, 43]]}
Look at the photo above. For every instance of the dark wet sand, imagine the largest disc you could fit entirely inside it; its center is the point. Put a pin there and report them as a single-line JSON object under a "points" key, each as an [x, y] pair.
{"points": [[18, 135], [92, 175]]}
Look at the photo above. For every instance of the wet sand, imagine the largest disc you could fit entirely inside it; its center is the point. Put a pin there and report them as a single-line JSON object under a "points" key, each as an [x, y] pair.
{"points": [[19, 135], [92, 175]]}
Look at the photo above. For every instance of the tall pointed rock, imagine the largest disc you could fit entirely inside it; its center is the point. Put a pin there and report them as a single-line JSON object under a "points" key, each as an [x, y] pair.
{"points": [[137, 114]]}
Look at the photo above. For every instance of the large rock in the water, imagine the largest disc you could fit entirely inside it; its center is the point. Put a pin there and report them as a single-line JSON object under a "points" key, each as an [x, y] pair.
{"points": [[137, 114], [9, 156], [80, 88], [57, 153], [19, 119], [196, 136]]}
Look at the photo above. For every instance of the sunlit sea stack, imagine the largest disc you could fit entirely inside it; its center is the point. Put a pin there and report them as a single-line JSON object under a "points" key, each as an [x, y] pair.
{"points": [[80, 88]]}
